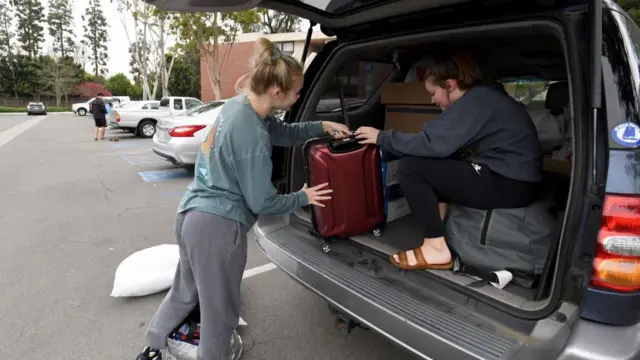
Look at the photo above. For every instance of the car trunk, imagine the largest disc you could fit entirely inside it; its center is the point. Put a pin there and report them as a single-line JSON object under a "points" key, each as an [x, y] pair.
{"points": [[530, 58]]}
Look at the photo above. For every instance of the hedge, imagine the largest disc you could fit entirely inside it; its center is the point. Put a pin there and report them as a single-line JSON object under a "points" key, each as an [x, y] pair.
{"points": [[23, 109]]}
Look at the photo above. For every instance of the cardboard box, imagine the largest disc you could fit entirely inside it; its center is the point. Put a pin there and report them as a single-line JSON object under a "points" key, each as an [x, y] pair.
{"points": [[562, 167], [411, 93], [409, 118]]}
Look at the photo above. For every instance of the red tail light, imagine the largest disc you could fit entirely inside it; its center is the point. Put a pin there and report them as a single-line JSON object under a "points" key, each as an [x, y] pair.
{"points": [[117, 117], [617, 262], [186, 130]]}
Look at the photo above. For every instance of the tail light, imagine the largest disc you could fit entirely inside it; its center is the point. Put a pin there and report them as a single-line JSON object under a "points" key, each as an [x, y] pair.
{"points": [[186, 130], [117, 117], [617, 262]]}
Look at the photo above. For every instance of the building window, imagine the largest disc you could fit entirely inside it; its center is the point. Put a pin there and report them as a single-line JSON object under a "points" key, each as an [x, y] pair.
{"points": [[286, 47]]}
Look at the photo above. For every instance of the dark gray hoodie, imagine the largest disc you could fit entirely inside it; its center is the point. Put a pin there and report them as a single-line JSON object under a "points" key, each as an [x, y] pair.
{"points": [[494, 127]]}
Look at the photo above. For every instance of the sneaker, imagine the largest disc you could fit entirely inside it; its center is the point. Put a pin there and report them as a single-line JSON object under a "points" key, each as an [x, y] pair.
{"points": [[235, 350], [149, 354]]}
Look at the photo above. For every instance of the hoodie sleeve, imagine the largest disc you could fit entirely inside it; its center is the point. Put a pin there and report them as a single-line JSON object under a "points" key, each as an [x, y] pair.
{"points": [[439, 137], [283, 134]]}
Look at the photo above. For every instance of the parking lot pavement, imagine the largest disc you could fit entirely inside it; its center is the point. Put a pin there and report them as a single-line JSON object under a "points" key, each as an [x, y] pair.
{"points": [[72, 209]]}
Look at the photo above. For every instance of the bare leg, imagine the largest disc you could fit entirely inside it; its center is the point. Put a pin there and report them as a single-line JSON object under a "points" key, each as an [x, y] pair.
{"points": [[96, 133], [102, 130], [443, 207]]}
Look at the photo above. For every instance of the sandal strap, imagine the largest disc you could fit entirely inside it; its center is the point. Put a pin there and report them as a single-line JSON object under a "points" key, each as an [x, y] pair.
{"points": [[420, 260], [403, 259]]}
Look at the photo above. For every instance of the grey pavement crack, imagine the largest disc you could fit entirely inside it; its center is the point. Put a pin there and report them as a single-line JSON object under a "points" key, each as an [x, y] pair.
{"points": [[254, 344], [107, 190]]}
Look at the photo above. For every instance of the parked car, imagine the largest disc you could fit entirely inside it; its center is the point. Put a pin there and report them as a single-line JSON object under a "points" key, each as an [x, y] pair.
{"points": [[141, 118], [83, 108], [178, 138], [36, 108], [586, 302]]}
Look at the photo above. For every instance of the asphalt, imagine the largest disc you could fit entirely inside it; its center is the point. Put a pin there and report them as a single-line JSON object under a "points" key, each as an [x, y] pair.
{"points": [[72, 209]]}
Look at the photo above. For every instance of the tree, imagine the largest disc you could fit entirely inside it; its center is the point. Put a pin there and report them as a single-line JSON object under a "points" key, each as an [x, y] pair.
{"points": [[91, 89], [96, 37], [30, 14], [632, 7], [60, 20], [59, 77], [272, 22], [121, 85], [7, 70], [207, 32], [183, 80]]}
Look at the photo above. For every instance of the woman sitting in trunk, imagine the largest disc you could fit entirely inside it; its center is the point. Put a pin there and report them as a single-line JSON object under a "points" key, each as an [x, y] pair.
{"points": [[482, 152]]}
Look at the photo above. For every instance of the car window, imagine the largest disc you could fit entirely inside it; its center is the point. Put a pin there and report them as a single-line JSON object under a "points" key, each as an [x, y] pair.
{"points": [[155, 106], [359, 81], [531, 93], [177, 104], [205, 108], [164, 102], [192, 103], [145, 106]]}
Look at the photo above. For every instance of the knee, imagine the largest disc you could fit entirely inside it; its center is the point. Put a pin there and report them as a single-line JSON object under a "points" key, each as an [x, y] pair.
{"points": [[406, 168]]}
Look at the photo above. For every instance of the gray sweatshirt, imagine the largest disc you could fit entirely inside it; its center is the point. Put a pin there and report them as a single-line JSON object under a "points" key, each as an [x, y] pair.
{"points": [[489, 124], [233, 168]]}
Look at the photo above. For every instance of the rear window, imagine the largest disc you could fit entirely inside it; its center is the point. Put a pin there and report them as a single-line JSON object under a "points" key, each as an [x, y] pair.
{"points": [[531, 93], [164, 103], [359, 81], [340, 6]]}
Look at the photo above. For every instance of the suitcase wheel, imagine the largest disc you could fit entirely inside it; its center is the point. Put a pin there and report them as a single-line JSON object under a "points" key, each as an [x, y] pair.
{"points": [[326, 247], [377, 232]]}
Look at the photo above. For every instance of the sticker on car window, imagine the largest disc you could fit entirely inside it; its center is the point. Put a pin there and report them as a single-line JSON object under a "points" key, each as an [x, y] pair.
{"points": [[626, 134]]}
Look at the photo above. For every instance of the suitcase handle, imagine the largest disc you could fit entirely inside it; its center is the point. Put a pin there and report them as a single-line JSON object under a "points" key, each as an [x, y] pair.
{"points": [[344, 145]]}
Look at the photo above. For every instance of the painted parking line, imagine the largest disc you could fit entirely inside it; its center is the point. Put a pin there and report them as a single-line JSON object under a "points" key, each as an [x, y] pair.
{"points": [[162, 175], [119, 145], [141, 159], [13, 132]]}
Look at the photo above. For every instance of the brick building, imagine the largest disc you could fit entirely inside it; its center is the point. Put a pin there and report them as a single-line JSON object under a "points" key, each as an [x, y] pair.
{"points": [[237, 63]]}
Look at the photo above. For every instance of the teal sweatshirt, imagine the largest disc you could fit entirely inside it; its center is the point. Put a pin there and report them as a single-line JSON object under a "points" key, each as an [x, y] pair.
{"points": [[233, 168]]}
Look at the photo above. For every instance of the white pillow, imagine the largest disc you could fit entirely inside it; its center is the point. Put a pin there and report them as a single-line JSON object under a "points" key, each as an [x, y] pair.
{"points": [[146, 272]]}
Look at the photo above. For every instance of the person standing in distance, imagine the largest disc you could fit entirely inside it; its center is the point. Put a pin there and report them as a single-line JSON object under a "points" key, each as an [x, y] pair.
{"points": [[99, 111], [231, 187]]}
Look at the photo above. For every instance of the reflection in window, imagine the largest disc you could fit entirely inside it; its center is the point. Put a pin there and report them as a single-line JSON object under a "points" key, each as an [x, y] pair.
{"points": [[359, 80], [286, 47]]}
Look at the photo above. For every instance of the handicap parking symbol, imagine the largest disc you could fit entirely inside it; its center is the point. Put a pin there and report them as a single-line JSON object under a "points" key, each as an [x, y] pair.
{"points": [[626, 134]]}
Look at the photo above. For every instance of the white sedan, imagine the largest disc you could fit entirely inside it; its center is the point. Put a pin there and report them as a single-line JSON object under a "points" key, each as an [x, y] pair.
{"points": [[178, 139]]}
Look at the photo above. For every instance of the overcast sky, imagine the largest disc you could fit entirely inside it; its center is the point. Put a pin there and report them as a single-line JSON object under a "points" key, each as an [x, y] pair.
{"points": [[118, 46]]}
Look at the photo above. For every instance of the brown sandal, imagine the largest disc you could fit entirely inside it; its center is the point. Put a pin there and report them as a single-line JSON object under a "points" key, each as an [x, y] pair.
{"points": [[421, 263]]}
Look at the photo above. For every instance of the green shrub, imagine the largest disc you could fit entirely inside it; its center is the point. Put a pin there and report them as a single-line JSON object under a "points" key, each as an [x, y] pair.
{"points": [[23, 109]]}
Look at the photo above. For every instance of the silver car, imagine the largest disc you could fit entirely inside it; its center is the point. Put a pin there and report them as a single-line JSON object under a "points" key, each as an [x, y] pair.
{"points": [[178, 139], [36, 108]]}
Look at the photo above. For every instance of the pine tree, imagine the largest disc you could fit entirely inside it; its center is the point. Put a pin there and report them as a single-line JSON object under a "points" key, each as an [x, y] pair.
{"points": [[96, 37], [6, 29], [30, 15], [60, 22]]}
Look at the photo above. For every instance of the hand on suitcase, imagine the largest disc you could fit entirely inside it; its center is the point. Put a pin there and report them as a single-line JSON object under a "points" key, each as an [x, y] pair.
{"points": [[367, 135], [315, 194], [336, 130]]}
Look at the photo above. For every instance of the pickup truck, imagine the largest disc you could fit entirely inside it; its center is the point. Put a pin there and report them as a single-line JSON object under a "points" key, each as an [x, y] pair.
{"points": [[141, 118]]}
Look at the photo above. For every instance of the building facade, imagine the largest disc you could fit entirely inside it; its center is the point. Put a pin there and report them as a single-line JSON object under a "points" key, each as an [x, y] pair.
{"points": [[236, 63]]}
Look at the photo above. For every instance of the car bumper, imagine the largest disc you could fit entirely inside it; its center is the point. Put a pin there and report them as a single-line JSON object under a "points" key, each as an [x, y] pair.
{"points": [[429, 327], [178, 151], [37, 111]]}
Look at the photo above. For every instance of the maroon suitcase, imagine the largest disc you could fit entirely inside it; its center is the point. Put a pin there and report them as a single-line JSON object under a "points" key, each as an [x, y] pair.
{"points": [[354, 173]]}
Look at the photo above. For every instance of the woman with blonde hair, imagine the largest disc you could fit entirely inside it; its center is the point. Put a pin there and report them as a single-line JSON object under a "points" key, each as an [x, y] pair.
{"points": [[231, 187], [481, 152]]}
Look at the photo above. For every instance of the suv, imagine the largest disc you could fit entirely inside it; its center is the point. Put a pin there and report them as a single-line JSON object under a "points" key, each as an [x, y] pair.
{"points": [[586, 304]]}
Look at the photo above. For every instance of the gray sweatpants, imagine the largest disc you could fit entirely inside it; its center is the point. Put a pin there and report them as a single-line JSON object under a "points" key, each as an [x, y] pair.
{"points": [[213, 254]]}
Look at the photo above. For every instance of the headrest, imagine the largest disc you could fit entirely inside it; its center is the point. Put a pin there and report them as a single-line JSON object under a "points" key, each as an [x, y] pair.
{"points": [[557, 97]]}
